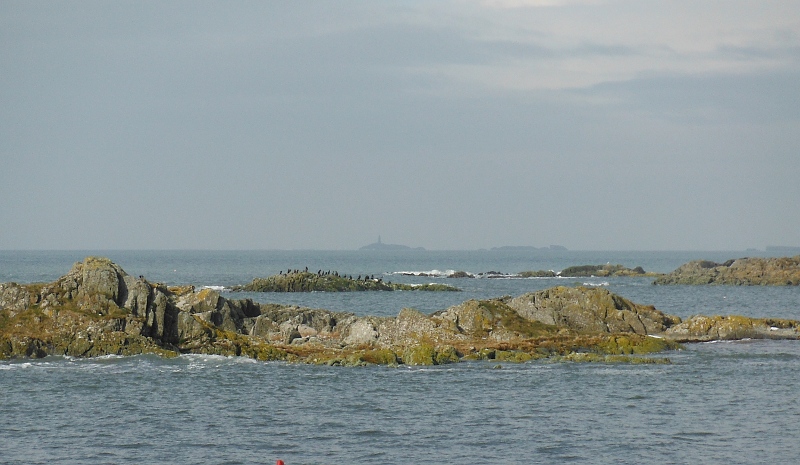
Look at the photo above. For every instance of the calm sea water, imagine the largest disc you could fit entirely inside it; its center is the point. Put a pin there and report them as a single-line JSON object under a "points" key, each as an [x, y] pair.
{"points": [[733, 402]]}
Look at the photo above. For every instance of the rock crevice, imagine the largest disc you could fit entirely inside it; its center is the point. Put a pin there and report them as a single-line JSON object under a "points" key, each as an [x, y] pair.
{"points": [[98, 309]]}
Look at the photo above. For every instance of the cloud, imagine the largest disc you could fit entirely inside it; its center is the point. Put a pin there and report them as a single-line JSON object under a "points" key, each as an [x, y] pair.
{"points": [[453, 124], [711, 98]]}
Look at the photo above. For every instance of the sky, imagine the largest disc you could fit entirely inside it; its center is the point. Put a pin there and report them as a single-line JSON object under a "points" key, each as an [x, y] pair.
{"points": [[592, 124]]}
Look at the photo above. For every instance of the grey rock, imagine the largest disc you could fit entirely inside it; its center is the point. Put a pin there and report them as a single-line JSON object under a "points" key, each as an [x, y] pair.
{"points": [[784, 271], [591, 310]]}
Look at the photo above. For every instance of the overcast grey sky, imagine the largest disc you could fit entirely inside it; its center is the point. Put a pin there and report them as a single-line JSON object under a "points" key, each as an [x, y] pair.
{"points": [[635, 125]]}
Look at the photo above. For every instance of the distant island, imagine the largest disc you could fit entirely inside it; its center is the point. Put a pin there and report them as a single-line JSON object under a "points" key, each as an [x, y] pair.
{"points": [[783, 249], [523, 248], [382, 246]]}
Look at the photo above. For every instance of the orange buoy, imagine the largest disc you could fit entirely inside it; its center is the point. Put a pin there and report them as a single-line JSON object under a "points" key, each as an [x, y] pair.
{"points": [[279, 462]]}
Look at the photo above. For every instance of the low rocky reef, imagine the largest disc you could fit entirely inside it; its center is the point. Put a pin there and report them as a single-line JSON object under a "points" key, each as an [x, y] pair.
{"points": [[579, 271], [306, 281], [784, 271], [586, 271], [98, 309]]}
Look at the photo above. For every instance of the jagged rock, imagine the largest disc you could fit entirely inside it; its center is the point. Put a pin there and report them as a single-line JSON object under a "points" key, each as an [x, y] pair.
{"points": [[407, 328], [716, 328], [100, 277], [97, 309], [743, 271], [362, 331], [419, 354], [135, 295], [493, 319], [591, 310], [14, 297]]}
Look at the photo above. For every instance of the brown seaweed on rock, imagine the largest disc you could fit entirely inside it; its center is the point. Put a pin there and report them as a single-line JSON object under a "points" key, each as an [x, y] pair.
{"points": [[98, 309]]}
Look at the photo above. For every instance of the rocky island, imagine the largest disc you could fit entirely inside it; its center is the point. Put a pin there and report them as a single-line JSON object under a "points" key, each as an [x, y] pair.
{"points": [[328, 281], [579, 271], [98, 309], [784, 271], [586, 271], [384, 246]]}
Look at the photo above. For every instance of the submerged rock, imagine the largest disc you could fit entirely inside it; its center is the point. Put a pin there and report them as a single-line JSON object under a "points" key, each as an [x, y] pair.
{"points": [[741, 272]]}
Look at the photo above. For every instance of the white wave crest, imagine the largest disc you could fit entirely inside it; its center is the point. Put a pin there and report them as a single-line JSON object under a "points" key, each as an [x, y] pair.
{"points": [[430, 273], [215, 288]]}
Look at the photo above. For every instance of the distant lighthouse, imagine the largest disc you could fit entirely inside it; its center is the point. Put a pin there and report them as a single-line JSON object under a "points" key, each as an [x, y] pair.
{"points": [[379, 238]]}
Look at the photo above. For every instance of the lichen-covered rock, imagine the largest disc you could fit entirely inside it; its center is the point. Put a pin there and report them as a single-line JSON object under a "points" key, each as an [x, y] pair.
{"points": [[100, 277], [494, 319], [380, 357], [362, 331], [740, 272], [97, 309], [419, 354], [305, 281], [445, 355], [634, 344], [591, 310], [716, 328], [407, 328], [136, 293], [14, 297], [514, 356]]}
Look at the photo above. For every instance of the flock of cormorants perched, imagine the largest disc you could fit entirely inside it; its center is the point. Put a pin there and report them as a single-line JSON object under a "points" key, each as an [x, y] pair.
{"points": [[291, 271]]}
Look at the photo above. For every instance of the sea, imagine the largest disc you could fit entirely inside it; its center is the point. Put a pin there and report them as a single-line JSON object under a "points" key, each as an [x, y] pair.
{"points": [[716, 403]]}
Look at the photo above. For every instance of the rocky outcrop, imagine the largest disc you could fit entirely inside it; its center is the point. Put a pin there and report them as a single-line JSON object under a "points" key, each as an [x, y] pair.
{"points": [[305, 281], [538, 274], [585, 271], [725, 328], [98, 309], [603, 271], [741, 272], [592, 310]]}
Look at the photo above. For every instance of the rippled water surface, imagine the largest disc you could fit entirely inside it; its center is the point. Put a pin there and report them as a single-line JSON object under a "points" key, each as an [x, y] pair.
{"points": [[733, 402], [717, 403]]}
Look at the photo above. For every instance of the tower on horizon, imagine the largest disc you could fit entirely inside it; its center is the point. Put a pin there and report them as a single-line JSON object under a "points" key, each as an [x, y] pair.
{"points": [[379, 238]]}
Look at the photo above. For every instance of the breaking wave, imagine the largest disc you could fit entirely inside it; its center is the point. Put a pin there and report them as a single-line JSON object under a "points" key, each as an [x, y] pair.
{"points": [[215, 288], [431, 273], [461, 274]]}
